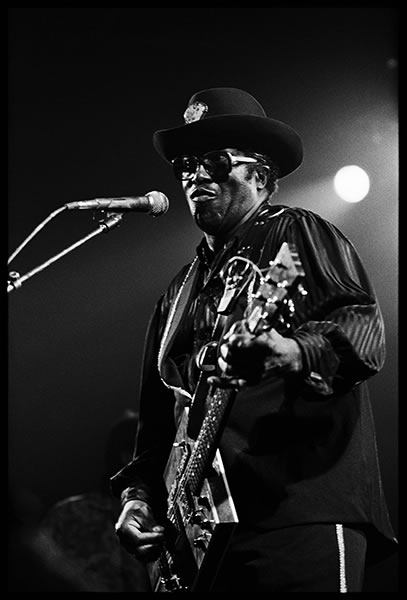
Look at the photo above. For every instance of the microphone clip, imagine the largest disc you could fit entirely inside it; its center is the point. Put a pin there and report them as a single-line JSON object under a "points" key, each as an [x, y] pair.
{"points": [[109, 219]]}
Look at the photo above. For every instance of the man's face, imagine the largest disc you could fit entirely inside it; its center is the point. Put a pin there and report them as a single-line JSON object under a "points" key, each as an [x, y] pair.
{"points": [[218, 207]]}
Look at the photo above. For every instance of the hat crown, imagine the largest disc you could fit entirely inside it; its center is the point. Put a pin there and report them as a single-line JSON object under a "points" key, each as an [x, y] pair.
{"points": [[226, 101], [227, 117]]}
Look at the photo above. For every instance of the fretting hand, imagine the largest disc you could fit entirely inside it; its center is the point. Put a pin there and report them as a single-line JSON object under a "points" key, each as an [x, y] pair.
{"points": [[244, 358]]}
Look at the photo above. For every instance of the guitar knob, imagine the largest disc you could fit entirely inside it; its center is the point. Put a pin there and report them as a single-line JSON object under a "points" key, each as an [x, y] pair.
{"points": [[206, 524], [201, 541], [204, 501], [198, 518]]}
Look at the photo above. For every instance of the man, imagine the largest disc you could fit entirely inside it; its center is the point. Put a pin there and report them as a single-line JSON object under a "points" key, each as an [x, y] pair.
{"points": [[297, 439]]}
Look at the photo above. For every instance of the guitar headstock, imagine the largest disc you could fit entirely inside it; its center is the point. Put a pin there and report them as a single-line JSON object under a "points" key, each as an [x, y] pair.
{"points": [[269, 290]]}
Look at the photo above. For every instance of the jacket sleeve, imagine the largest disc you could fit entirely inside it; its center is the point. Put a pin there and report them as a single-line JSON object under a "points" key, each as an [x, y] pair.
{"points": [[340, 328], [143, 476]]}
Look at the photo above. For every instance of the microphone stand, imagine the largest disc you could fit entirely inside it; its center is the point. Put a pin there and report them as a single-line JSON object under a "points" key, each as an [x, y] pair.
{"points": [[15, 281]]}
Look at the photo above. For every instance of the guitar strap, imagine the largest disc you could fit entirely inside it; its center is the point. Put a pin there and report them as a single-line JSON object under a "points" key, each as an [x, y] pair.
{"points": [[177, 312]]}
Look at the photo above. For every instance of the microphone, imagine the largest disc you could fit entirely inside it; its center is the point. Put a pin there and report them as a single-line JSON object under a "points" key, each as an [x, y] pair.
{"points": [[154, 203]]}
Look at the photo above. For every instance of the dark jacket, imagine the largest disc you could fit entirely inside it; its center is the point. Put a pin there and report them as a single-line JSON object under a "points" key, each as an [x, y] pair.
{"points": [[296, 449]]}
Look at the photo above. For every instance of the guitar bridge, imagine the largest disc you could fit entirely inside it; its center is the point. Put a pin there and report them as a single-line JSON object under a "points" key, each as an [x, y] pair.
{"points": [[172, 584]]}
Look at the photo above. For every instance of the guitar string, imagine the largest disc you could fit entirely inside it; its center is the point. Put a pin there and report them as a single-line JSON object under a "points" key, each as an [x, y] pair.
{"points": [[207, 427]]}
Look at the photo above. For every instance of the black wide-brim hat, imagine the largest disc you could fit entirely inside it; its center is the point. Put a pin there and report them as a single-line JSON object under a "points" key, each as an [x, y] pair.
{"points": [[220, 118]]}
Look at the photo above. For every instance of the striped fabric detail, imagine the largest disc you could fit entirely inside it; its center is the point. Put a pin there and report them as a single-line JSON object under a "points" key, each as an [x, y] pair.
{"points": [[172, 322], [338, 325], [341, 553]]}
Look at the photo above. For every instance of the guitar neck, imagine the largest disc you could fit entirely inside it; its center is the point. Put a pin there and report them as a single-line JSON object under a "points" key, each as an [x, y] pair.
{"points": [[207, 440], [200, 504]]}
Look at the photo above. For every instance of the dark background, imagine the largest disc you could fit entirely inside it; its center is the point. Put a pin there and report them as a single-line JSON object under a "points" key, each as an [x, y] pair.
{"points": [[87, 88]]}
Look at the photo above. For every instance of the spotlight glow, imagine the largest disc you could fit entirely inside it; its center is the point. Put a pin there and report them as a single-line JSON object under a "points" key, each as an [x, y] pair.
{"points": [[352, 183]]}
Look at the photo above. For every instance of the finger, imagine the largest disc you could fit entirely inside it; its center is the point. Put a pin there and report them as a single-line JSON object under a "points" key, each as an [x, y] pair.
{"points": [[146, 553], [145, 523], [240, 341], [224, 350], [231, 331], [150, 537], [149, 551], [148, 526], [133, 533], [223, 365]]}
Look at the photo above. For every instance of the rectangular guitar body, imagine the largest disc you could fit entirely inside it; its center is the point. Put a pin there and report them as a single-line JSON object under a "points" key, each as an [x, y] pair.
{"points": [[200, 506], [204, 523]]}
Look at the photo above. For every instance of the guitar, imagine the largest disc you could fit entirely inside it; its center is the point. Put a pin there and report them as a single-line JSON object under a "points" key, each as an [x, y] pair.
{"points": [[201, 511]]}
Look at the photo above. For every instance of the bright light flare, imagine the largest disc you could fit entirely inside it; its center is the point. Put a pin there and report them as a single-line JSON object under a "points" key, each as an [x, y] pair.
{"points": [[352, 183]]}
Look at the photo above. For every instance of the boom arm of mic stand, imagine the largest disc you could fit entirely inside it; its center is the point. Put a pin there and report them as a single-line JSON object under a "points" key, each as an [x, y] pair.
{"points": [[113, 220]]}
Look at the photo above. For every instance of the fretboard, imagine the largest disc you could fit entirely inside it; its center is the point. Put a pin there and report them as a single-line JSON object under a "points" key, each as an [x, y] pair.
{"points": [[207, 440]]}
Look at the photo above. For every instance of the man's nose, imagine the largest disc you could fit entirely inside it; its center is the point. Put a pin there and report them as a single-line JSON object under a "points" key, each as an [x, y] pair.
{"points": [[201, 173]]}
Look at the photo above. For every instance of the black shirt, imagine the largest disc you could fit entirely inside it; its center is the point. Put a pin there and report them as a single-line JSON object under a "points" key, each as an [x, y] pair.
{"points": [[296, 449]]}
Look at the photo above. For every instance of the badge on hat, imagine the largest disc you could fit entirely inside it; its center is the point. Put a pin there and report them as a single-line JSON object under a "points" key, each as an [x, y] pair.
{"points": [[195, 112]]}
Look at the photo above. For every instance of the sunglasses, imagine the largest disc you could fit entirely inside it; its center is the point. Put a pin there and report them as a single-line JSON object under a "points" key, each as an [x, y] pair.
{"points": [[217, 164]]}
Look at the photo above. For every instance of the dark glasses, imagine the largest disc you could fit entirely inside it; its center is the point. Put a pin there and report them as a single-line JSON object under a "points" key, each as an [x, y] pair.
{"points": [[217, 164]]}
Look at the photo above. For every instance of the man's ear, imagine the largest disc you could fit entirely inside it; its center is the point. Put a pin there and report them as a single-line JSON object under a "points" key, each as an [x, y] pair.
{"points": [[262, 175]]}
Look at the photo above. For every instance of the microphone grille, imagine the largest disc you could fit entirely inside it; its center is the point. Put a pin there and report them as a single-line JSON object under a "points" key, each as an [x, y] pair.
{"points": [[159, 203]]}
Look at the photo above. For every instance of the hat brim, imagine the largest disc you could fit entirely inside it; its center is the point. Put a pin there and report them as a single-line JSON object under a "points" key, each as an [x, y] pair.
{"points": [[246, 132]]}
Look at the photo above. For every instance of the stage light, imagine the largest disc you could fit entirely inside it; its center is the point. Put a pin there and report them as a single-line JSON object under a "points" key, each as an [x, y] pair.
{"points": [[351, 183]]}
